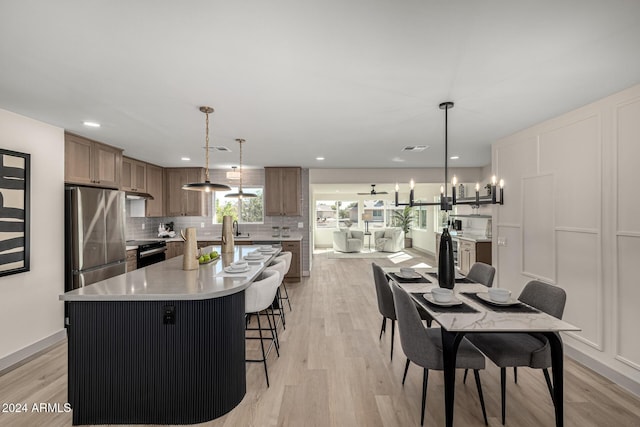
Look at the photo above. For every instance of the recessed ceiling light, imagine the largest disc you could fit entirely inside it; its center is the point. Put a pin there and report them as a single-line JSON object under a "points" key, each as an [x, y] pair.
{"points": [[319, 158], [454, 157], [185, 159], [91, 124]]}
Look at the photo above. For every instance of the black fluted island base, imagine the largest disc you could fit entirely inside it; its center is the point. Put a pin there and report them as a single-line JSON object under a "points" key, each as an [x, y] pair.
{"points": [[142, 362]]}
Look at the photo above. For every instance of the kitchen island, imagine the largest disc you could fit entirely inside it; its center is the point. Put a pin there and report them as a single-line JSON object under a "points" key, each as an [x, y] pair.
{"points": [[159, 345]]}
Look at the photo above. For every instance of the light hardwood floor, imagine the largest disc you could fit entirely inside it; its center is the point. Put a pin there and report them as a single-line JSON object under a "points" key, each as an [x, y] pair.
{"points": [[333, 371]]}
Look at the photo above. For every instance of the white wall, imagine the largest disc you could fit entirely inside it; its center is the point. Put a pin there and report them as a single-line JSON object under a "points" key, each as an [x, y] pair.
{"points": [[30, 313], [572, 217]]}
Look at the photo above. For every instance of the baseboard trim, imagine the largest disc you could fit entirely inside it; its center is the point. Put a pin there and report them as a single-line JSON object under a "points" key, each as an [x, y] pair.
{"points": [[22, 356], [623, 381]]}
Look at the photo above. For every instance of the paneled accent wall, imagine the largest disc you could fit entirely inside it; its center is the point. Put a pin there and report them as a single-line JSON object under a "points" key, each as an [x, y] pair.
{"points": [[572, 218]]}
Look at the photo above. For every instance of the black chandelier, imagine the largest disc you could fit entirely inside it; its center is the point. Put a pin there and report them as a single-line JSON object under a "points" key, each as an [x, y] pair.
{"points": [[446, 203]]}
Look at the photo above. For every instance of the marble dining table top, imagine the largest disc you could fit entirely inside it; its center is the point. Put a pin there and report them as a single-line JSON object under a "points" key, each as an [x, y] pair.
{"points": [[484, 319]]}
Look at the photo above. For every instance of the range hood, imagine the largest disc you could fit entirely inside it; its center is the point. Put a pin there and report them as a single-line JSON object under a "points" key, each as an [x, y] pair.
{"points": [[138, 195]]}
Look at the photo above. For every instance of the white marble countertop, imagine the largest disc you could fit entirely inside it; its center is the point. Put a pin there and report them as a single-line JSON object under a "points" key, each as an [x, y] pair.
{"points": [[484, 320], [168, 281], [471, 237]]}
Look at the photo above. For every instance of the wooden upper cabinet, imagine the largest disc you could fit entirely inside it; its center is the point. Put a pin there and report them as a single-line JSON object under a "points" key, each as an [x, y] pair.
{"points": [[155, 187], [90, 162], [283, 191], [134, 175], [179, 202]]}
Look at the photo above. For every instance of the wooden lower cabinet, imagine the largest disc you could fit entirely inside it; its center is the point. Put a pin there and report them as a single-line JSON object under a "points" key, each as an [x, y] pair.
{"points": [[132, 260], [295, 270], [471, 252], [174, 249]]}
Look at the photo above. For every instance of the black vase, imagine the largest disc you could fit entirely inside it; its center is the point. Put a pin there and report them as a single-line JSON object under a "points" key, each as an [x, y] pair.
{"points": [[446, 272]]}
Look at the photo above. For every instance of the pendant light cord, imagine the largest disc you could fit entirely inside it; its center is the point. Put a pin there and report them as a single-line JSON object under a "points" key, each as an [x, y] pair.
{"points": [[206, 171]]}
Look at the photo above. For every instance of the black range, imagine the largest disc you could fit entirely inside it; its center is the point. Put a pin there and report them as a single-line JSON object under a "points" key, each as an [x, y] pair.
{"points": [[149, 251]]}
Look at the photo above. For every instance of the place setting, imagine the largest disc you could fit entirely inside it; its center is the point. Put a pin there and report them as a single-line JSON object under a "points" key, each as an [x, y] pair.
{"points": [[497, 299], [408, 275], [237, 267], [443, 300], [254, 256], [267, 249]]}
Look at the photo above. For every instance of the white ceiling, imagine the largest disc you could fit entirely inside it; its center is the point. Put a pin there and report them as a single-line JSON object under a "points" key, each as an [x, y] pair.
{"points": [[353, 81]]}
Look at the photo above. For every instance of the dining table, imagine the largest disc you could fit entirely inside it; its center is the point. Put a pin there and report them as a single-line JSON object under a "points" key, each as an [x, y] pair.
{"points": [[473, 313]]}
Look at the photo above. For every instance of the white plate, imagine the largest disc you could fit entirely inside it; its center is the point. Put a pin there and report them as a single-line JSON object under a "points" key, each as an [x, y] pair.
{"points": [[484, 296], [414, 275], [234, 271], [254, 257], [454, 301]]}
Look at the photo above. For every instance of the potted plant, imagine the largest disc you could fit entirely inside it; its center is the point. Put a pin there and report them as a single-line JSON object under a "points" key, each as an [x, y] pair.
{"points": [[404, 219]]}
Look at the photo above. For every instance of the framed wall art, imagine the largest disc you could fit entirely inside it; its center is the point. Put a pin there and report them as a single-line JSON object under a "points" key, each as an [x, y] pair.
{"points": [[14, 212]]}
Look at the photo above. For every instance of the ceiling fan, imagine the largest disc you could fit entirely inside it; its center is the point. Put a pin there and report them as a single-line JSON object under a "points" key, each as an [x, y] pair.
{"points": [[373, 191]]}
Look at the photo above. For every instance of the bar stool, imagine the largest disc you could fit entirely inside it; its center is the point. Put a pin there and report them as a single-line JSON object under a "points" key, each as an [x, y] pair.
{"points": [[287, 256], [279, 265], [257, 299]]}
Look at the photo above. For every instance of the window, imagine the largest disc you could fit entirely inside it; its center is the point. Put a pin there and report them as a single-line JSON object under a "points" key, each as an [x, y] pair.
{"points": [[420, 220], [347, 214], [246, 211], [326, 215], [336, 214], [374, 209]]}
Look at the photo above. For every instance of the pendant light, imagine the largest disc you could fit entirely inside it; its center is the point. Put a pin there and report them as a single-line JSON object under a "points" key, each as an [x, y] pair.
{"points": [[446, 203], [240, 194], [233, 175], [206, 186]]}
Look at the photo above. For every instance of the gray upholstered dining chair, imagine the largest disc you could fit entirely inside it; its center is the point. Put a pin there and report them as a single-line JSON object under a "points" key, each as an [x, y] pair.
{"points": [[482, 273], [520, 349], [423, 346], [385, 303]]}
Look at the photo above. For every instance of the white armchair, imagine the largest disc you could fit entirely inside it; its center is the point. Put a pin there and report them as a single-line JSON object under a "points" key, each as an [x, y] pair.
{"points": [[348, 240], [389, 240]]}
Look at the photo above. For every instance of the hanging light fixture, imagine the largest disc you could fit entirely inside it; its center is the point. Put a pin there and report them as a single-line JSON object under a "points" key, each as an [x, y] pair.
{"points": [[446, 203], [207, 185], [233, 175], [446, 272], [240, 194]]}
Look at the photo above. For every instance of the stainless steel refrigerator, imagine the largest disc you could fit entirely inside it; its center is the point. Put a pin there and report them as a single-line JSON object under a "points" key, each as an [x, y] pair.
{"points": [[95, 247]]}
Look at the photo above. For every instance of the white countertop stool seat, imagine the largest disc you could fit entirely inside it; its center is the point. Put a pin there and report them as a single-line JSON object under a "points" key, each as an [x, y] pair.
{"points": [[287, 256], [279, 265], [258, 298]]}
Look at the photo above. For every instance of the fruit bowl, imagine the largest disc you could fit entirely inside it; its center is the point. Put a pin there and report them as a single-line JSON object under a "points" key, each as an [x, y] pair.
{"points": [[207, 261]]}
